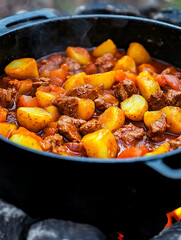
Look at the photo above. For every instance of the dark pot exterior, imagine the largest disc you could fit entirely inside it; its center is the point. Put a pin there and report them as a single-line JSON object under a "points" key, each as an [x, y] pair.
{"points": [[105, 193]]}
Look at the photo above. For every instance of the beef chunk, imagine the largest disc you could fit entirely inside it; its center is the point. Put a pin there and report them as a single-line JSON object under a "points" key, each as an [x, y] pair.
{"points": [[105, 63], [129, 134], [72, 64], [6, 98], [67, 105], [75, 121], [68, 130], [125, 89], [171, 71], [55, 140], [84, 91], [175, 143], [157, 101], [105, 101], [174, 98], [76, 148], [157, 129], [41, 81], [90, 126]]}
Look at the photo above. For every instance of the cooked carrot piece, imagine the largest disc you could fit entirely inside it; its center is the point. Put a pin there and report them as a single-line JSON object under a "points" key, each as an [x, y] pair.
{"points": [[133, 152]]}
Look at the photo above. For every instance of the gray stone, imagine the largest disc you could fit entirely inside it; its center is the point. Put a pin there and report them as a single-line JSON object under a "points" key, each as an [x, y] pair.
{"points": [[53, 229], [13, 222]]}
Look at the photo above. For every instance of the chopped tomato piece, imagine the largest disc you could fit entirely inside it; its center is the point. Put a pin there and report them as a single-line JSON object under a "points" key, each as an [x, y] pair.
{"points": [[28, 101], [161, 80], [120, 75], [133, 152], [58, 76], [3, 114], [173, 82]]}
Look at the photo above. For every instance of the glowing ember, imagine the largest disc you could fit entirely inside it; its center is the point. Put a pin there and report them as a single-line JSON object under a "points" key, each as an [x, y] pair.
{"points": [[173, 217], [120, 236]]}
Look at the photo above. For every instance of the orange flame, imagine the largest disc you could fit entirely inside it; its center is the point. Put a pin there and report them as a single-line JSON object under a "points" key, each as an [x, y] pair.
{"points": [[120, 236], [173, 216]]}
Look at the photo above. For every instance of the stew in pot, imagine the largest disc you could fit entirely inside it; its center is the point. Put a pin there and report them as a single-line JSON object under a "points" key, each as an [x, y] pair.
{"points": [[102, 102]]}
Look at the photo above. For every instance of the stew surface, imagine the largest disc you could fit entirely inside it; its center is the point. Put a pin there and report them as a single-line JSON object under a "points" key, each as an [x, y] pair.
{"points": [[103, 103]]}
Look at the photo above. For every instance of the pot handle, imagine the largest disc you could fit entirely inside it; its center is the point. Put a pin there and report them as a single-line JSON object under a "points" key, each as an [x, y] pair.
{"points": [[24, 19], [164, 169]]}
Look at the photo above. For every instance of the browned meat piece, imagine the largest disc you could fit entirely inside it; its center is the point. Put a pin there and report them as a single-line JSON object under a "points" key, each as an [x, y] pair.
{"points": [[71, 149], [84, 91], [90, 68], [6, 97], [157, 129], [105, 101], [72, 64], [75, 121], [67, 105], [68, 130], [55, 140], [171, 71], [129, 134], [90, 126], [174, 98], [105, 63], [46, 65], [41, 81], [125, 89], [175, 143], [76, 148], [157, 101]]}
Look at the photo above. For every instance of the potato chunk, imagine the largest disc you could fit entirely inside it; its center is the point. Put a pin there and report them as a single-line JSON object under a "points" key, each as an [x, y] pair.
{"points": [[147, 85], [33, 118], [74, 81], [107, 78], [165, 147], [86, 108], [22, 68], [173, 115], [138, 53], [112, 118], [106, 47], [54, 112], [134, 107], [45, 99], [151, 116], [26, 141], [6, 128], [100, 144], [126, 63], [78, 53]]}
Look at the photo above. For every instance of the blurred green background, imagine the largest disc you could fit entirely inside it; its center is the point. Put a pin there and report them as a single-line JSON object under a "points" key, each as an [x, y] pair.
{"points": [[9, 7]]}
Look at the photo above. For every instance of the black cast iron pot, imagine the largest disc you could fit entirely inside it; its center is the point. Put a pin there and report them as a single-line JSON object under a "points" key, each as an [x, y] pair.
{"points": [[107, 193]]}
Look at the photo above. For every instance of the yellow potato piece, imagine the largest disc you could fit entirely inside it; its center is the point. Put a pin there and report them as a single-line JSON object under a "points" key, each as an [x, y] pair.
{"points": [[126, 63], [54, 112], [173, 115], [138, 53], [112, 118], [150, 117], [86, 108], [22, 68], [100, 144], [106, 78], [147, 85], [78, 53], [74, 81], [33, 118], [7, 128], [165, 147], [134, 107], [45, 99], [26, 141], [106, 47]]}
